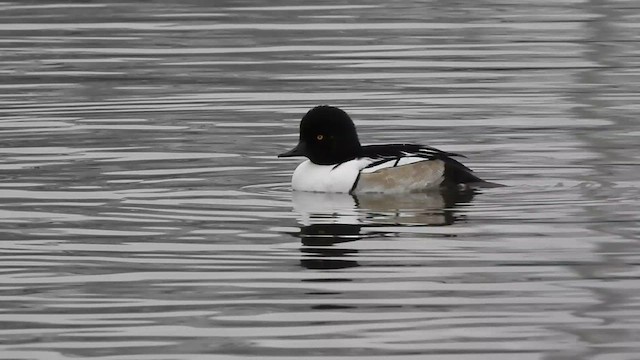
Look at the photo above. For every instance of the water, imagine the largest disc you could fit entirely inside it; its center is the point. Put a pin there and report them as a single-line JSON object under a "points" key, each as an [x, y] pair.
{"points": [[144, 215]]}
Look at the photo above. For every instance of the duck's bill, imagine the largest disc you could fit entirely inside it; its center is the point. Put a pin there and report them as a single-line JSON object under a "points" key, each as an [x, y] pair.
{"points": [[299, 150]]}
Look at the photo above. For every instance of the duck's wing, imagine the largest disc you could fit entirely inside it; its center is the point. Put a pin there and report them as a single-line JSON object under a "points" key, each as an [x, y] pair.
{"points": [[400, 154], [392, 155], [402, 150]]}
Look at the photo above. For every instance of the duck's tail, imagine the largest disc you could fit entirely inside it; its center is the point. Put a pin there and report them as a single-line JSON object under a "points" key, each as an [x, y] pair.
{"points": [[457, 173]]}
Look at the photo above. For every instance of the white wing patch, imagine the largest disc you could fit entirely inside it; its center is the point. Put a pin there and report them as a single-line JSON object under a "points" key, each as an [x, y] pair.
{"points": [[393, 163]]}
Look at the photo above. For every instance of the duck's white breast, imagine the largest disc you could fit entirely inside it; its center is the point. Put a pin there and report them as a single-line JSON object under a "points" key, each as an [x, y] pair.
{"points": [[327, 178]]}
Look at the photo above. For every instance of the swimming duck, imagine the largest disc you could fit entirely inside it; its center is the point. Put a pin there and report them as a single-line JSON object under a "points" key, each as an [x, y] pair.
{"points": [[338, 163]]}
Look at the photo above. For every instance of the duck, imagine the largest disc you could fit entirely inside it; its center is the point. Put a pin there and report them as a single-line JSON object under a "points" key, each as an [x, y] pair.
{"points": [[338, 163]]}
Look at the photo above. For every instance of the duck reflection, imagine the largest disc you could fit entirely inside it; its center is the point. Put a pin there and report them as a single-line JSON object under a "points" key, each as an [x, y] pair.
{"points": [[317, 245], [330, 219]]}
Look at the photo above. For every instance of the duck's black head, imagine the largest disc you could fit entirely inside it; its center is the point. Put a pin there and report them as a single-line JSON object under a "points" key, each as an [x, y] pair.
{"points": [[327, 137]]}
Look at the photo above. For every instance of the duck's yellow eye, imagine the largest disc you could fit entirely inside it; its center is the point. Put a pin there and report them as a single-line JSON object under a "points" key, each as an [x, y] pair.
{"points": [[320, 137]]}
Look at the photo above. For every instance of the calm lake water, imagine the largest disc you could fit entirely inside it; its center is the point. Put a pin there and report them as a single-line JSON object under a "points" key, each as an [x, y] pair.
{"points": [[144, 214]]}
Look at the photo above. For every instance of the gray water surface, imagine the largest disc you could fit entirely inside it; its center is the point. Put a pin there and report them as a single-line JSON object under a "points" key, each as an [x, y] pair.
{"points": [[144, 214]]}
